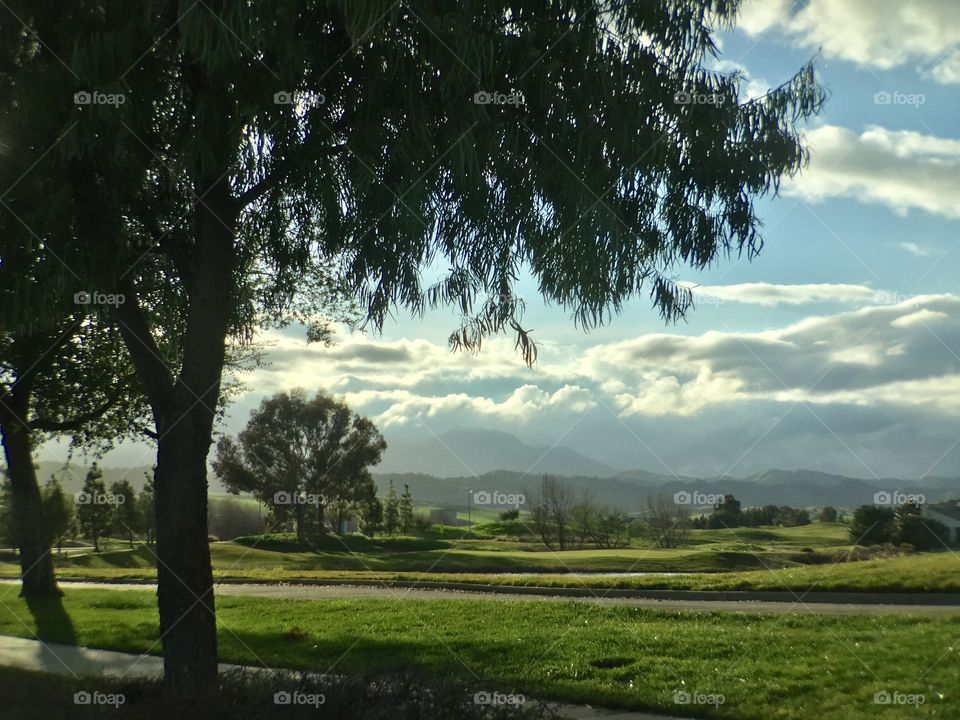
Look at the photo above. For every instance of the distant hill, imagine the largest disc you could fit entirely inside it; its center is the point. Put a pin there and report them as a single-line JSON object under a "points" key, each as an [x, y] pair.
{"points": [[465, 452], [629, 491], [73, 475]]}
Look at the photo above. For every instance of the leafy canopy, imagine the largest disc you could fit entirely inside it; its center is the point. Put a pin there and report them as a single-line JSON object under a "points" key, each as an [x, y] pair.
{"points": [[359, 136]]}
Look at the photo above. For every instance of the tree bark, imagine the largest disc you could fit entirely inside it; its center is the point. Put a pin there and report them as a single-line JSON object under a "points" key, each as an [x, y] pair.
{"points": [[300, 518], [36, 564], [184, 410], [185, 431]]}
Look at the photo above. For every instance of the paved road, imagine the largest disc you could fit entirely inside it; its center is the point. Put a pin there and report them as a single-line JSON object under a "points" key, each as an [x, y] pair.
{"points": [[803, 605], [90, 662]]}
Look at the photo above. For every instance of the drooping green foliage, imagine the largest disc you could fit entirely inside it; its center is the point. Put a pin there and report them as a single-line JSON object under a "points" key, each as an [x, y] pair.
{"points": [[585, 142]]}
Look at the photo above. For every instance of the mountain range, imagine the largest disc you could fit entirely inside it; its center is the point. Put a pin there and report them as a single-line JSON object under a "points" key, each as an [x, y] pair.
{"points": [[443, 469], [466, 451]]}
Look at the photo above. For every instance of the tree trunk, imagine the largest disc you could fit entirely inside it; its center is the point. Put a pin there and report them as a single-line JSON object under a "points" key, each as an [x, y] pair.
{"points": [[184, 409], [300, 518], [184, 575], [185, 431], [36, 563]]}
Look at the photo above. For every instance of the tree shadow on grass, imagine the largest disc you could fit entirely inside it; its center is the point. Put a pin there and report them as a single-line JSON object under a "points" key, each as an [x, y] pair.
{"points": [[52, 621]]}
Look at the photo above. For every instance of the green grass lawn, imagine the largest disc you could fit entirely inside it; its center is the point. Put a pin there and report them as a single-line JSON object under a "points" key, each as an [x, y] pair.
{"points": [[787, 666], [745, 559]]}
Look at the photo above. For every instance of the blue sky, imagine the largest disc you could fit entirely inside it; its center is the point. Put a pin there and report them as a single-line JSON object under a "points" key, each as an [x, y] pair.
{"points": [[838, 348]]}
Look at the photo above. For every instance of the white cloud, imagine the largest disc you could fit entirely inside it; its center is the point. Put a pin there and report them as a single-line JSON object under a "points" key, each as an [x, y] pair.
{"points": [[900, 169], [920, 317], [524, 404], [859, 357], [872, 33], [770, 294], [853, 357], [753, 87], [915, 249]]}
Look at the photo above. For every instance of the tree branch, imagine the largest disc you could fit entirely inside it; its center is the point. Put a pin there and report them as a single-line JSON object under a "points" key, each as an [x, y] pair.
{"points": [[77, 422], [278, 175], [153, 371]]}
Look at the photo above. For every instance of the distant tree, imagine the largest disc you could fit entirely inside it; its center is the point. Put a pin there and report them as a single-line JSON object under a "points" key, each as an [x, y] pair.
{"points": [[792, 517], [610, 528], [371, 516], [582, 518], [511, 514], [127, 518], [94, 511], [296, 454], [550, 509], [58, 513], [405, 511], [910, 527], [726, 514], [145, 504], [828, 514], [391, 510], [668, 522], [872, 525]]}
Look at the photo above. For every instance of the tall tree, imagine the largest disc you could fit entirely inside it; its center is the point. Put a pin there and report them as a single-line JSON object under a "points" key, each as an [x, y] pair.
{"points": [[73, 380], [391, 510], [290, 130], [58, 513], [127, 519], [299, 455], [872, 525], [94, 507], [145, 505], [405, 511]]}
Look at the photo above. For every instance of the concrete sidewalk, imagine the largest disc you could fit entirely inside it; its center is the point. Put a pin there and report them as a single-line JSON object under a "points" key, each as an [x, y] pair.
{"points": [[76, 661]]}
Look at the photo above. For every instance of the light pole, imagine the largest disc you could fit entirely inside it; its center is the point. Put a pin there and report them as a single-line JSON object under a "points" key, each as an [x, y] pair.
{"points": [[469, 513]]}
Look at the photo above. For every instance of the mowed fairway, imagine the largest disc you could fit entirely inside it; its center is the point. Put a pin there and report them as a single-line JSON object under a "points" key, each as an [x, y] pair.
{"points": [[801, 559], [765, 667]]}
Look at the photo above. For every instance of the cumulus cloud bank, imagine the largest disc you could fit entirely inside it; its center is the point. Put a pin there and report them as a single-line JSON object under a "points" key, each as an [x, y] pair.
{"points": [[898, 354], [880, 34], [900, 169]]}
